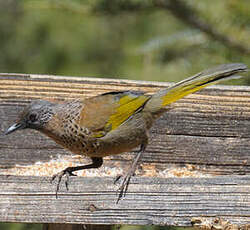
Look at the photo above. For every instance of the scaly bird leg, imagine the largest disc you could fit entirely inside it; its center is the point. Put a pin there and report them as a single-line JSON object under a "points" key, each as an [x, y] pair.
{"points": [[125, 182], [96, 163]]}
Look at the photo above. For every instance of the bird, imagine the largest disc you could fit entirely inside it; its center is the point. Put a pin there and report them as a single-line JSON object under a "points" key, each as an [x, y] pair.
{"points": [[111, 123]]}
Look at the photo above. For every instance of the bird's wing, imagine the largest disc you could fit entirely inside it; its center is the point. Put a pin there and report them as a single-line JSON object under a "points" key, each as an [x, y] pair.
{"points": [[106, 112]]}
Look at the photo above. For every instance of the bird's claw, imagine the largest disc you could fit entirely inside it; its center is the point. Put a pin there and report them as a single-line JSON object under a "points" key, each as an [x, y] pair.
{"points": [[123, 187], [117, 179], [59, 176]]}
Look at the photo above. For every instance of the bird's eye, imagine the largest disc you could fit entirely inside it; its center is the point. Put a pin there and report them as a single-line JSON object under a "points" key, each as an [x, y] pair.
{"points": [[33, 117]]}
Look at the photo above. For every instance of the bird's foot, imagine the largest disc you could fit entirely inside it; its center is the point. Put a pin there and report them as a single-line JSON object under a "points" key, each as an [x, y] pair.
{"points": [[68, 173], [125, 182], [117, 179], [122, 190]]}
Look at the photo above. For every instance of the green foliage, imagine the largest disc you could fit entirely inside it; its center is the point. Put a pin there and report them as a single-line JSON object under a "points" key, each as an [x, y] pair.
{"points": [[9, 226], [119, 39]]}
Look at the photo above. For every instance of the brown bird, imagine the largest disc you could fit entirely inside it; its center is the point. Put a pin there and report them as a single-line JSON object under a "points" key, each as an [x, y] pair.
{"points": [[111, 123]]}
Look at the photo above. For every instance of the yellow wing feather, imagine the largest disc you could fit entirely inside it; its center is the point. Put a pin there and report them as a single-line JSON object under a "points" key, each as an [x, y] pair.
{"points": [[128, 105], [106, 112]]}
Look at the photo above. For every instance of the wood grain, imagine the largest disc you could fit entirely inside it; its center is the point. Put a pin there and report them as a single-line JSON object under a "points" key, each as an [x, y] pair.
{"points": [[157, 201]]}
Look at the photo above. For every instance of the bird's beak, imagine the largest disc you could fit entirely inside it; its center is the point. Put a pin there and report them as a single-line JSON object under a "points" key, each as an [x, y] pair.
{"points": [[15, 127]]}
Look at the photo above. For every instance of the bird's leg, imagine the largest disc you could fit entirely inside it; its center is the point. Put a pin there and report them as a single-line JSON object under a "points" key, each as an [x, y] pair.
{"points": [[125, 182], [96, 163]]}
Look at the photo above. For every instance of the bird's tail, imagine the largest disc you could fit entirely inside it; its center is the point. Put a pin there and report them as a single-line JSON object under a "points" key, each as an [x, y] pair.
{"points": [[190, 85]]}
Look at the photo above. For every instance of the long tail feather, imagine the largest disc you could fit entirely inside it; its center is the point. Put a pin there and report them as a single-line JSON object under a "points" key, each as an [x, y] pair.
{"points": [[190, 85]]}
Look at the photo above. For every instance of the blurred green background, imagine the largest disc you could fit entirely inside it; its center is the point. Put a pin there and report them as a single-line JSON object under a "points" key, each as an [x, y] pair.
{"points": [[158, 40], [132, 39]]}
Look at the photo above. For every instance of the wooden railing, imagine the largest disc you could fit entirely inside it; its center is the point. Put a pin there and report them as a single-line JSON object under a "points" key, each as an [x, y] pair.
{"points": [[196, 165]]}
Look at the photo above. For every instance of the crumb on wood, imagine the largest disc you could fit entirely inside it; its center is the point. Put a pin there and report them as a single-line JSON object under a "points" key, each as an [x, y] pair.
{"points": [[204, 223], [56, 165]]}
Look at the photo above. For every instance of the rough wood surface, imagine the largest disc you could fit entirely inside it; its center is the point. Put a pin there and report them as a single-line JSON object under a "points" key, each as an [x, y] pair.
{"points": [[158, 201], [209, 130]]}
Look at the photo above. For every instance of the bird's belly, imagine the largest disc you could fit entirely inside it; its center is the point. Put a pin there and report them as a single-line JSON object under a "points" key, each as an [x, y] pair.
{"points": [[97, 148], [106, 149], [119, 141]]}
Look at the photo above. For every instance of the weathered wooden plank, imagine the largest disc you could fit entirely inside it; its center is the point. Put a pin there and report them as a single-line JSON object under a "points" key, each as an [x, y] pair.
{"points": [[209, 129], [157, 201]]}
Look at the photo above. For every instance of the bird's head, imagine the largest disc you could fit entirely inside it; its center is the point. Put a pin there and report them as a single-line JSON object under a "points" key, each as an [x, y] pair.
{"points": [[35, 116]]}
